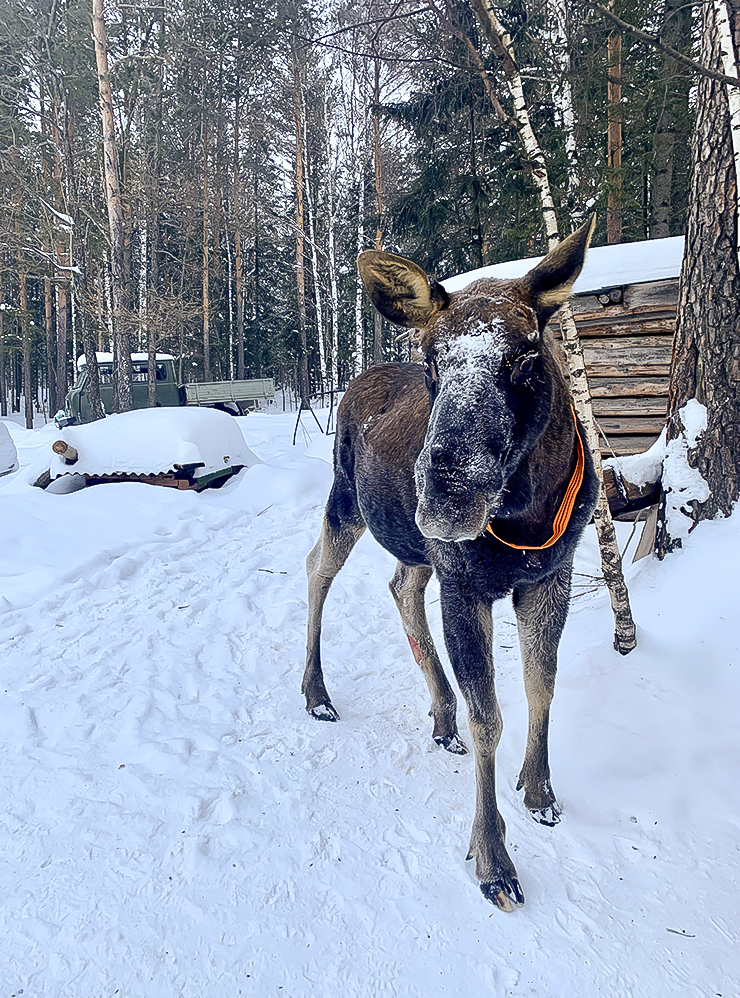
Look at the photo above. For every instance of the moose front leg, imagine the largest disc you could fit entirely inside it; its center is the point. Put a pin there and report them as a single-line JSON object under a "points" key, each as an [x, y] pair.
{"points": [[541, 611], [407, 586], [468, 630]]}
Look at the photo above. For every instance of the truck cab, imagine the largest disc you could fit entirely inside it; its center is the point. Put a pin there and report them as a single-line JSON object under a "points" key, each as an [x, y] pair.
{"points": [[168, 390]]}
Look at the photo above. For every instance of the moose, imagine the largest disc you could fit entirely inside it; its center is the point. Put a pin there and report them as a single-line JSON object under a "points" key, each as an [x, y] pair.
{"points": [[471, 466]]}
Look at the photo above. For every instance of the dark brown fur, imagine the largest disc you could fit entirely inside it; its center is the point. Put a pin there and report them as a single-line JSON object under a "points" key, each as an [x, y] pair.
{"points": [[426, 458]]}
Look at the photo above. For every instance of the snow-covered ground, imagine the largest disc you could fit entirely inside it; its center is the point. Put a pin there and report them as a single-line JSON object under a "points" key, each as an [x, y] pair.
{"points": [[175, 825]]}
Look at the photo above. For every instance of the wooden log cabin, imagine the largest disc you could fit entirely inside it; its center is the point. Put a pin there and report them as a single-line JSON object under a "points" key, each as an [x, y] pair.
{"points": [[624, 304]]}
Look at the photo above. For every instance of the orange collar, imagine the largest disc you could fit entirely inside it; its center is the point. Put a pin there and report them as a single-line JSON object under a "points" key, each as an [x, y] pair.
{"points": [[563, 515]]}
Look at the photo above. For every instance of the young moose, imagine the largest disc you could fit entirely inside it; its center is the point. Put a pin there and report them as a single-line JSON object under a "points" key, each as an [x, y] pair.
{"points": [[472, 466]]}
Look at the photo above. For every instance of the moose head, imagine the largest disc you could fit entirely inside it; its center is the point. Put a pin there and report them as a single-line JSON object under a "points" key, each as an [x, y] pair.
{"points": [[490, 376]]}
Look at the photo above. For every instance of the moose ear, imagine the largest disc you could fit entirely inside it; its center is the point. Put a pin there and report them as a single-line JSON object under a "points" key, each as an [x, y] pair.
{"points": [[550, 282], [400, 290]]}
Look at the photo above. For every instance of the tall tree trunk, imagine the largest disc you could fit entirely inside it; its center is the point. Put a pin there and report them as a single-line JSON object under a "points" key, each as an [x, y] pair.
{"points": [[624, 632], [378, 158], [359, 331], [51, 383], [303, 385], [562, 97], [122, 392], [669, 147], [206, 259], [238, 263], [318, 303], [332, 168], [614, 136], [706, 353]]}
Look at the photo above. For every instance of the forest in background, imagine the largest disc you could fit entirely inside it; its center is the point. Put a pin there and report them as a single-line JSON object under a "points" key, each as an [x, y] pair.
{"points": [[258, 149]]}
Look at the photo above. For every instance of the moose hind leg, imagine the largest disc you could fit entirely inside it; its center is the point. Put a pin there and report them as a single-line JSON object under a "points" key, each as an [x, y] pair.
{"points": [[407, 587], [338, 537], [541, 611]]}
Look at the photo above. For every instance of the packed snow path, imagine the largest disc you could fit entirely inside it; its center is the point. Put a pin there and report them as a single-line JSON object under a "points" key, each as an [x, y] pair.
{"points": [[176, 826]]}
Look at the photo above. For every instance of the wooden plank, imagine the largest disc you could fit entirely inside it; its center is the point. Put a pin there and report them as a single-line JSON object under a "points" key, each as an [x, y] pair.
{"points": [[617, 367], [646, 545], [627, 325], [615, 406], [627, 343], [630, 425], [627, 387], [628, 445], [652, 293]]}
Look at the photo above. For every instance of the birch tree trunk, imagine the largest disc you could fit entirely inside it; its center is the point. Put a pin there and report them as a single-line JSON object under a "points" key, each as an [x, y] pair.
{"points": [[238, 265], [378, 159], [303, 385], [624, 632], [359, 332], [334, 289], [206, 259], [562, 98], [122, 393], [318, 304], [25, 331]]}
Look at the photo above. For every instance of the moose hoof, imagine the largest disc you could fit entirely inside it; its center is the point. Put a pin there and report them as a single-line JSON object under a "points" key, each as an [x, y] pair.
{"points": [[549, 815], [504, 893], [323, 712], [452, 743]]}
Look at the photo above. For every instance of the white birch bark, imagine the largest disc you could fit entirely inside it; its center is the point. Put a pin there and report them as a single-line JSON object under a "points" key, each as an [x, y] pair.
{"points": [[143, 289], [73, 313], [108, 302], [314, 257], [334, 290], [624, 632], [359, 337], [231, 307], [562, 96], [730, 68]]}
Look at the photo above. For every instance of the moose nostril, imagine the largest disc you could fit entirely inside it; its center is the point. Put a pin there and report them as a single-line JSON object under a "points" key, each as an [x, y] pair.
{"points": [[444, 458], [440, 455]]}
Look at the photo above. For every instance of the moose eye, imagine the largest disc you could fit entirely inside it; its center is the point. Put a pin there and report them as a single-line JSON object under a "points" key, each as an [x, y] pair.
{"points": [[523, 368]]}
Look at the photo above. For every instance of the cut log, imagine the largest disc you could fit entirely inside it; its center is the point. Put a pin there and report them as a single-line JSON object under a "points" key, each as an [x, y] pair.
{"points": [[65, 450]]}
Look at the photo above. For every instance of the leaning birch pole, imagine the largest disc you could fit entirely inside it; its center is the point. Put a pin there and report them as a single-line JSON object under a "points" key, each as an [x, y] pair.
{"points": [[499, 40], [122, 393]]}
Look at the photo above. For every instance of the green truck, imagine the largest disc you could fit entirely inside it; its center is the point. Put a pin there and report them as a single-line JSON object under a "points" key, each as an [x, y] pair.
{"points": [[236, 397]]}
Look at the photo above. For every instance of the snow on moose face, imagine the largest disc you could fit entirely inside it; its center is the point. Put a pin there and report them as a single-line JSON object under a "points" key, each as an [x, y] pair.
{"points": [[482, 382]]}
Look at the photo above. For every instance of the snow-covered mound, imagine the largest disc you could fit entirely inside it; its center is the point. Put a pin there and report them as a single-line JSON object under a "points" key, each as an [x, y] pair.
{"points": [[8, 455], [174, 824], [155, 441]]}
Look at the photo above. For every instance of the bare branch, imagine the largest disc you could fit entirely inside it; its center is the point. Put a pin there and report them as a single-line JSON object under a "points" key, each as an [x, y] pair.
{"points": [[655, 41]]}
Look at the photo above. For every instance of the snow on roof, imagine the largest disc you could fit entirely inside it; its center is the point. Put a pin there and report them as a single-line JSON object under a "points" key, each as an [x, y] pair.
{"points": [[606, 266], [154, 441], [107, 358]]}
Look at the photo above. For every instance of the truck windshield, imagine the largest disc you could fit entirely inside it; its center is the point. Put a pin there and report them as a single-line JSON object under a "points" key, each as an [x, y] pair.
{"points": [[139, 373]]}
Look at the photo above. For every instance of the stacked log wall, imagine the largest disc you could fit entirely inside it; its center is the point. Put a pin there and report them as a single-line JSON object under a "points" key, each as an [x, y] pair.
{"points": [[627, 348]]}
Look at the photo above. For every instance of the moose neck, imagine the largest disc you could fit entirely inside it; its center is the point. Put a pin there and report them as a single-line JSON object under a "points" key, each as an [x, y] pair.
{"points": [[554, 472]]}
